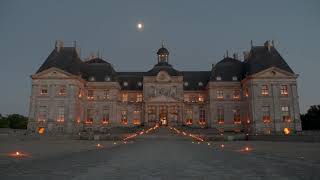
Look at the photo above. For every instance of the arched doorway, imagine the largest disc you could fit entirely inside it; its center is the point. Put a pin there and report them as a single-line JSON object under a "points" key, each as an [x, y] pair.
{"points": [[163, 116]]}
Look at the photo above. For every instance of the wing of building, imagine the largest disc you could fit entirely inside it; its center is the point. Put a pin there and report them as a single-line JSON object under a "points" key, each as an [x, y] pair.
{"points": [[257, 95]]}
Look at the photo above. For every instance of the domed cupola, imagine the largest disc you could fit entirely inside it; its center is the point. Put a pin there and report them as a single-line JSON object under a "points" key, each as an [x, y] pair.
{"points": [[163, 55], [228, 69]]}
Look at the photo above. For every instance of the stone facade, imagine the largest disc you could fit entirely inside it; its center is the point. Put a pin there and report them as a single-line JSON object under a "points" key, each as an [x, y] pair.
{"points": [[70, 95]]}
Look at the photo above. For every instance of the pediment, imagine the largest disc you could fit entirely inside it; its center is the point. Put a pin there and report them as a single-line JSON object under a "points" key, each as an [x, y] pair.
{"points": [[163, 76], [274, 72], [52, 73], [162, 98]]}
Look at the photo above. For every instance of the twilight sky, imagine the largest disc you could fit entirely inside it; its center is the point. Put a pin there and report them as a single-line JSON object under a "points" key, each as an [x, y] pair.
{"points": [[197, 33]]}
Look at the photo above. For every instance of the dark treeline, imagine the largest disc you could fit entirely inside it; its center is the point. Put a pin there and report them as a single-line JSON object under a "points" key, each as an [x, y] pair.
{"points": [[311, 120], [13, 121]]}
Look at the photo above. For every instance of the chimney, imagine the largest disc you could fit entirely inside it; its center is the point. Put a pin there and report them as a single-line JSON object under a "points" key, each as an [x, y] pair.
{"points": [[213, 65], [235, 55], [58, 45], [268, 45], [246, 55]]}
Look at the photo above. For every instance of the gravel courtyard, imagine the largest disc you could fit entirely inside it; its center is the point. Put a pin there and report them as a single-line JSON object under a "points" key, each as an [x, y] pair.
{"points": [[161, 155]]}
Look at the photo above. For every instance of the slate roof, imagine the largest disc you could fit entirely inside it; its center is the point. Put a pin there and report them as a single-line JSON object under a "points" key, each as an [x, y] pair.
{"points": [[133, 80], [194, 79], [259, 59], [163, 66], [227, 68], [66, 59]]}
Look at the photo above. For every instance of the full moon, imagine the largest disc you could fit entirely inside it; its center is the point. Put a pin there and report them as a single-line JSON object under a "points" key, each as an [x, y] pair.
{"points": [[140, 26]]}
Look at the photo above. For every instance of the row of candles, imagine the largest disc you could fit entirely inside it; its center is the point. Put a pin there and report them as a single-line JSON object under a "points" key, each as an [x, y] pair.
{"points": [[200, 139]]}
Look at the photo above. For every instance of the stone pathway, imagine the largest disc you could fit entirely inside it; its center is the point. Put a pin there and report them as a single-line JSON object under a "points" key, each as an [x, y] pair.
{"points": [[163, 155]]}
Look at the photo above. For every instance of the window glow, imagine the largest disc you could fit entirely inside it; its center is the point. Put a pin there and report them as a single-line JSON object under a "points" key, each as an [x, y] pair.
{"points": [[284, 90], [220, 94], [265, 90]]}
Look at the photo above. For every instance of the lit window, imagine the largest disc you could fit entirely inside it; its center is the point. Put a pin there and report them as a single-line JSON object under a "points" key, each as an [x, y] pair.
{"points": [[200, 84], [80, 93], [44, 90], [186, 98], [220, 94], [201, 98], [106, 94], [186, 83], [265, 90], [266, 114], [246, 92], [220, 115], [124, 118], [218, 78], [189, 117], [202, 117], [285, 114], [90, 95], [236, 116], [90, 114], [105, 116], [139, 97], [124, 97], [236, 94], [43, 114], [125, 84], [234, 78], [60, 117], [284, 90], [136, 117], [62, 90], [193, 98]]}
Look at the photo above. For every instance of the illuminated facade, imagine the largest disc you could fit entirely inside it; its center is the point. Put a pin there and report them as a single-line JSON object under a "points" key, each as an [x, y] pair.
{"points": [[256, 95]]}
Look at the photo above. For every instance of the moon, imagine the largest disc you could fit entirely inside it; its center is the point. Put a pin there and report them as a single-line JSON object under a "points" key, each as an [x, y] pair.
{"points": [[140, 26]]}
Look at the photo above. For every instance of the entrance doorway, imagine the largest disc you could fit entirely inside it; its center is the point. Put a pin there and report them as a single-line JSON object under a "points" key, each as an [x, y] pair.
{"points": [[163, 115], [163, 119]]}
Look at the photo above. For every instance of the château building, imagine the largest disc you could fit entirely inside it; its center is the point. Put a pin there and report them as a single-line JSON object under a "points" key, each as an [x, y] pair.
{"points": [[257, 95]]}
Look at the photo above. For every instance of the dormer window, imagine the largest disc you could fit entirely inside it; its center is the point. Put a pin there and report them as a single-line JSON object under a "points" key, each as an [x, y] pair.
{"points": [[200, 84], [218, 78], [91, 78], [107, 78], [234, 78], [186, 83], [125, 83]]}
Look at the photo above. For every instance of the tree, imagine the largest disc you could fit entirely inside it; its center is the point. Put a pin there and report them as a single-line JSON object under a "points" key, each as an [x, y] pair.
{"points": [[4, 123], [17, 121], [311, 120]]}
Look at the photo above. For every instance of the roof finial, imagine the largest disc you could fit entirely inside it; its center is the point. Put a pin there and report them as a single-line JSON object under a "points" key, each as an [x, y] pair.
{"points": [[75, 44], [251, 43], [227, 54], [162, 43]]}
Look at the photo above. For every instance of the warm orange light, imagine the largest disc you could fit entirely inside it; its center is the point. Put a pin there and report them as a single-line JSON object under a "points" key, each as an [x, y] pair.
{"points": [[41, 130], [247, 149], [17, 153], [286, 131], [209, 144], [222, 145], [99, 145]]}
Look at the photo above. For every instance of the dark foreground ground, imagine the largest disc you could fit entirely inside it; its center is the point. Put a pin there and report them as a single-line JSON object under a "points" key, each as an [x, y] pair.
{"points": [[164, 155]]}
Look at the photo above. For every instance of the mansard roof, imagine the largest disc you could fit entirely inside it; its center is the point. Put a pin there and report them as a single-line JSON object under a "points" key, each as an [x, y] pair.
{"points": [[163, 66], [65, 58], [130, 80], [195, 80], [227, 69], [262, 57], [259, 59]]}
